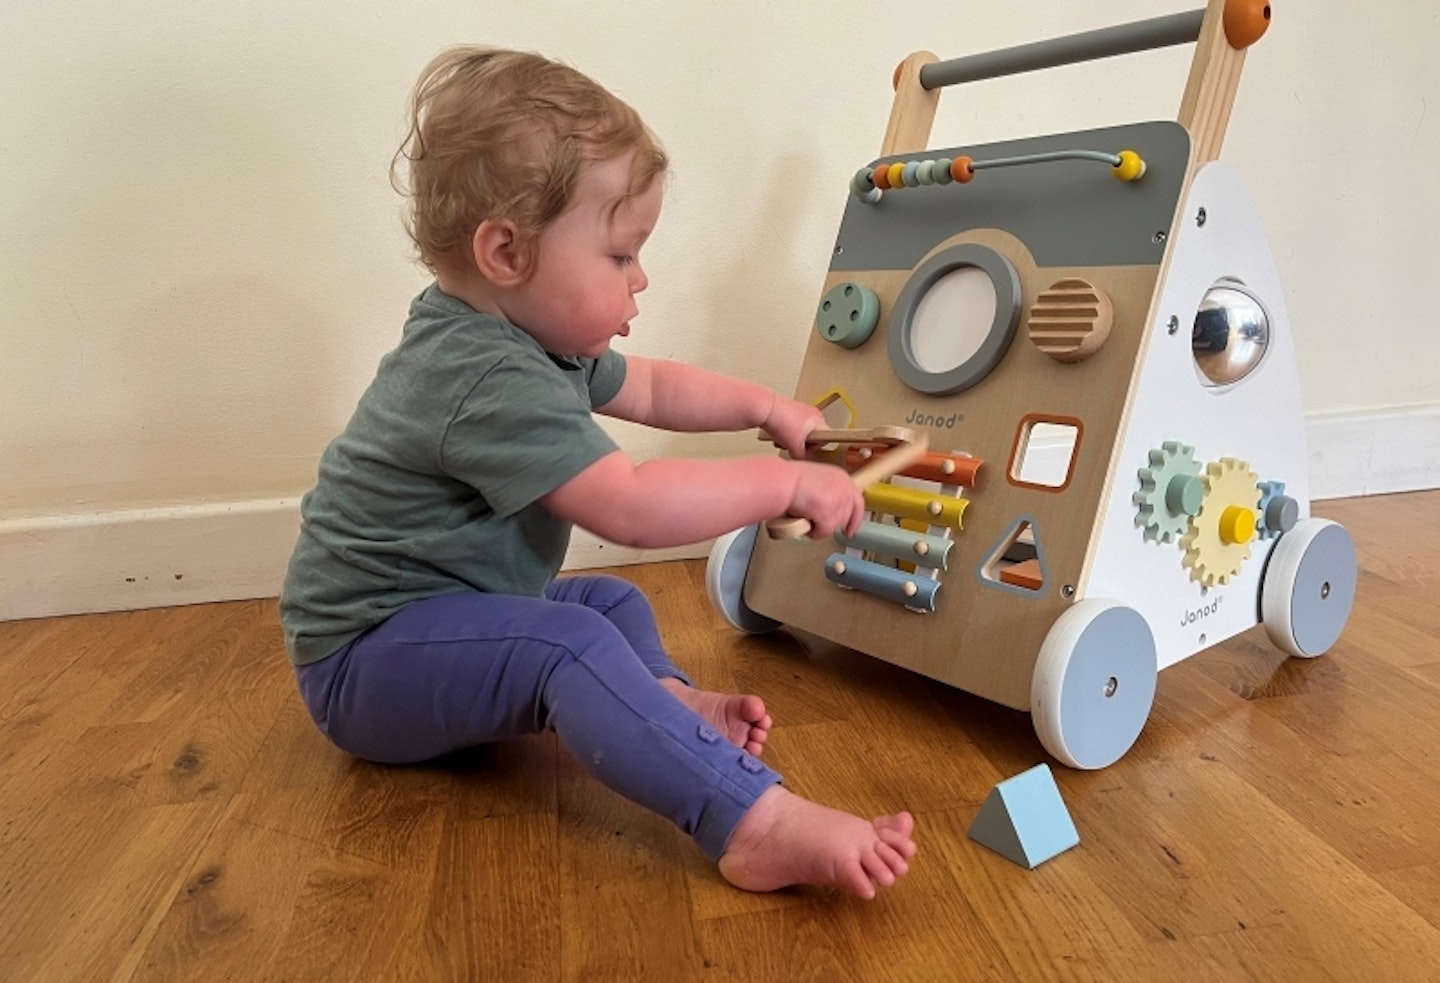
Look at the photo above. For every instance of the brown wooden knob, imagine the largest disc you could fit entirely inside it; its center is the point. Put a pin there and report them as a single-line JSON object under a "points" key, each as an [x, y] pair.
{"points": [[1070, 320]]}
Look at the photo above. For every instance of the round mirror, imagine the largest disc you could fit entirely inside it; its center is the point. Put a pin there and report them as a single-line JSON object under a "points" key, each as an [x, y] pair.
{"points": [[1231, 334], [953, 319]]}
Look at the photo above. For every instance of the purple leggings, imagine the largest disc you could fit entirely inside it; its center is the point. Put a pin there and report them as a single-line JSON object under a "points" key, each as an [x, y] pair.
{"points": [[459, 670]]}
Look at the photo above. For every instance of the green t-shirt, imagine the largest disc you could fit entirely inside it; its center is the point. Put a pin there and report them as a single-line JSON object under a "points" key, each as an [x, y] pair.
{"points": [[433, 486]]}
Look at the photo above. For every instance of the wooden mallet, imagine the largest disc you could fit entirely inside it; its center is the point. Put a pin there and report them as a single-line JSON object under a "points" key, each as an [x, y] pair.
{"points": [[905, 448]]}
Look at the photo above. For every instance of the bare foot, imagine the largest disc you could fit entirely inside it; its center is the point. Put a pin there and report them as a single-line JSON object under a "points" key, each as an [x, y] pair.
{"points": [[741, 718], [786, 840]]}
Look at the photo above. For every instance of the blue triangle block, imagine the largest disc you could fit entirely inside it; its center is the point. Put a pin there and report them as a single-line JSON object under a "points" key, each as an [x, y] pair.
{"points": [[1025, 820]]}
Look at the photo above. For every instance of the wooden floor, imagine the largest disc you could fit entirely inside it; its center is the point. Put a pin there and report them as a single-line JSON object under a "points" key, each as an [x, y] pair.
{"points": [[168, 812]]}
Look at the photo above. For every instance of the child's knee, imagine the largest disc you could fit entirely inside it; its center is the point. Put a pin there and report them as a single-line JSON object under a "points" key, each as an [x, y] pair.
{"points": [[609, 591]]}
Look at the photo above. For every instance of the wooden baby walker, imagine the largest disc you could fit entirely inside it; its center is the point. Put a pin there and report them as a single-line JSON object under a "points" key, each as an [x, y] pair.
{"points": [[1113, 487]]}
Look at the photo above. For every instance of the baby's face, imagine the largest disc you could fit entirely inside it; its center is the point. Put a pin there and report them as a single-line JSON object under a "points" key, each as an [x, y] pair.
{"points": [[581, 291]]}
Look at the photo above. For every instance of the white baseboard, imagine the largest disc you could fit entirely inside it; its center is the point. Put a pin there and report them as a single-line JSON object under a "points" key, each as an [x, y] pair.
{"points": [[587, 551], [1373, 453], [146, 558], [108, 561]]}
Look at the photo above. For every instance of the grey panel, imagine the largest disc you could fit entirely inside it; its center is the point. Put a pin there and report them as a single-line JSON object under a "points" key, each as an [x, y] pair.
{"points": [[1068, 213]]}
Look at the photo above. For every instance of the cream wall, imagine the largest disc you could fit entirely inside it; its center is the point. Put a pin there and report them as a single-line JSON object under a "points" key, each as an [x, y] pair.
{"points": [[202, 258]]}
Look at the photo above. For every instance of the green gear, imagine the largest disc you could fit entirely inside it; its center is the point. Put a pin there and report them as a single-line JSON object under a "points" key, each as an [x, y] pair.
{"points": [[1169, 492]]}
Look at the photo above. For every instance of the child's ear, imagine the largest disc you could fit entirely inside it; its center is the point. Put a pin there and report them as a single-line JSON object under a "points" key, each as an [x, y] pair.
{"points": [[498, 256]]}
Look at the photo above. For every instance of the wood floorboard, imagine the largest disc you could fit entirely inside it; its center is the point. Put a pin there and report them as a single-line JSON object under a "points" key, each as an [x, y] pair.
{"points": [[169, 812]]}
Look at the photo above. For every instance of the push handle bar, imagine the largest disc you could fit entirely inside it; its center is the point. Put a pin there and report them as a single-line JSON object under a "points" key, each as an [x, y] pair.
{"points": [[1122, 39]]}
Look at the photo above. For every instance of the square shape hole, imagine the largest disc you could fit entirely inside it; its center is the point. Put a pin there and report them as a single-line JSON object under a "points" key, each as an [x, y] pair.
{"points": [[1045, 452]]}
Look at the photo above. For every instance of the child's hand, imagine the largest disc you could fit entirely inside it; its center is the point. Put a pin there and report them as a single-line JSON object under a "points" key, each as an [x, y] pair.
{"points": [[790, 422], [826, 496]]}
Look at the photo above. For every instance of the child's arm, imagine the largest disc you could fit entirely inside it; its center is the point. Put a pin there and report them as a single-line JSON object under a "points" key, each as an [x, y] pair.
{"points": [[676, 396], [674, 501], [670, 502]]}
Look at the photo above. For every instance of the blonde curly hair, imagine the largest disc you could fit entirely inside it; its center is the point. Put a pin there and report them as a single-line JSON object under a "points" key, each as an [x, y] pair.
{"points": [[498, 134]]}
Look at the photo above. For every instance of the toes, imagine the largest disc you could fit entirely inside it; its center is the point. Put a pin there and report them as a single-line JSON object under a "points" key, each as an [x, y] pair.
{"points": [[856, 880], [892, 858], [877, 868], [752, 710], [898, 842], [902, 823]]}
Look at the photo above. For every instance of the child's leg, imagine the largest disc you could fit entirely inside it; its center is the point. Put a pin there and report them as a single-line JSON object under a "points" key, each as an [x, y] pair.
{"points": [[443, 675], [741, 717], [465, 669], [626, 607]]}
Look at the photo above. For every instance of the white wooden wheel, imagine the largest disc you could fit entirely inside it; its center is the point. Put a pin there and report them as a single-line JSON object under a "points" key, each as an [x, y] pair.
{"points": [[1094, 683], [1309, 587], [725, 581]]}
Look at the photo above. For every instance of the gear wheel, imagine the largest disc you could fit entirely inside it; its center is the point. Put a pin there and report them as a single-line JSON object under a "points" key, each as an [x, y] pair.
{"points": [[1169, 492], [1219, 538], [1278, 511]]}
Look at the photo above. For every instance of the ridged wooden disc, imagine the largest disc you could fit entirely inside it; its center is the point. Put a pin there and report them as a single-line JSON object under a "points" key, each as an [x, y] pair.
{"points": [[1070, 320]]}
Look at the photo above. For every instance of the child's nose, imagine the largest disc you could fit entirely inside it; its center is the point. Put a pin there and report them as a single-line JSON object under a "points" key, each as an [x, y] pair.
{"points": [[638, 280]]}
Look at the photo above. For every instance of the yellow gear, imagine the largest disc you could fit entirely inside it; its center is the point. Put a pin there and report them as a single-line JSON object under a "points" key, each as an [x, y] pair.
{"points": [[1218, 541]]}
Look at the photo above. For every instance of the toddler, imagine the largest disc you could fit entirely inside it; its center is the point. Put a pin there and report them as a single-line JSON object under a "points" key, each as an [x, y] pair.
{"points": [[421, 607]]}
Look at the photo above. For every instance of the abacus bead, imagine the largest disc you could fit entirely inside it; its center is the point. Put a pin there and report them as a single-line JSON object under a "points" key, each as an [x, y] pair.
{"points": [[922, 173], [880, 177], [907, 175], [862, 182], [940, 170], [897, 175], [1131, 167], [960, 169]]}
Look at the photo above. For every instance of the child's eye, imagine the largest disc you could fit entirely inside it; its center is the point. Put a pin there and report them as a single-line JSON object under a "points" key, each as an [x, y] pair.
{"points": [[622, 260]]}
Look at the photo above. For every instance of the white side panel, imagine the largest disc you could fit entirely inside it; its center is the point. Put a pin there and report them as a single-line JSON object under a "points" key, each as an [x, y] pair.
{"points": [[1259, 420]]}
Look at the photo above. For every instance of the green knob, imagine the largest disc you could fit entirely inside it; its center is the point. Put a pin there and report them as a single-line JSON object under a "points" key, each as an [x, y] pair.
{"points": [[1185, 494], [848, 314]]}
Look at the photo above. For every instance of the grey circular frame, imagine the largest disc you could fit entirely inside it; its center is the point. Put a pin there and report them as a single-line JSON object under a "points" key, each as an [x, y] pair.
{"points": [[1008, 297]]}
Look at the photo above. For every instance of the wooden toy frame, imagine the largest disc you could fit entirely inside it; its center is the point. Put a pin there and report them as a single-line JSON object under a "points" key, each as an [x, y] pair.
{"points": [[1063, 594]]}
